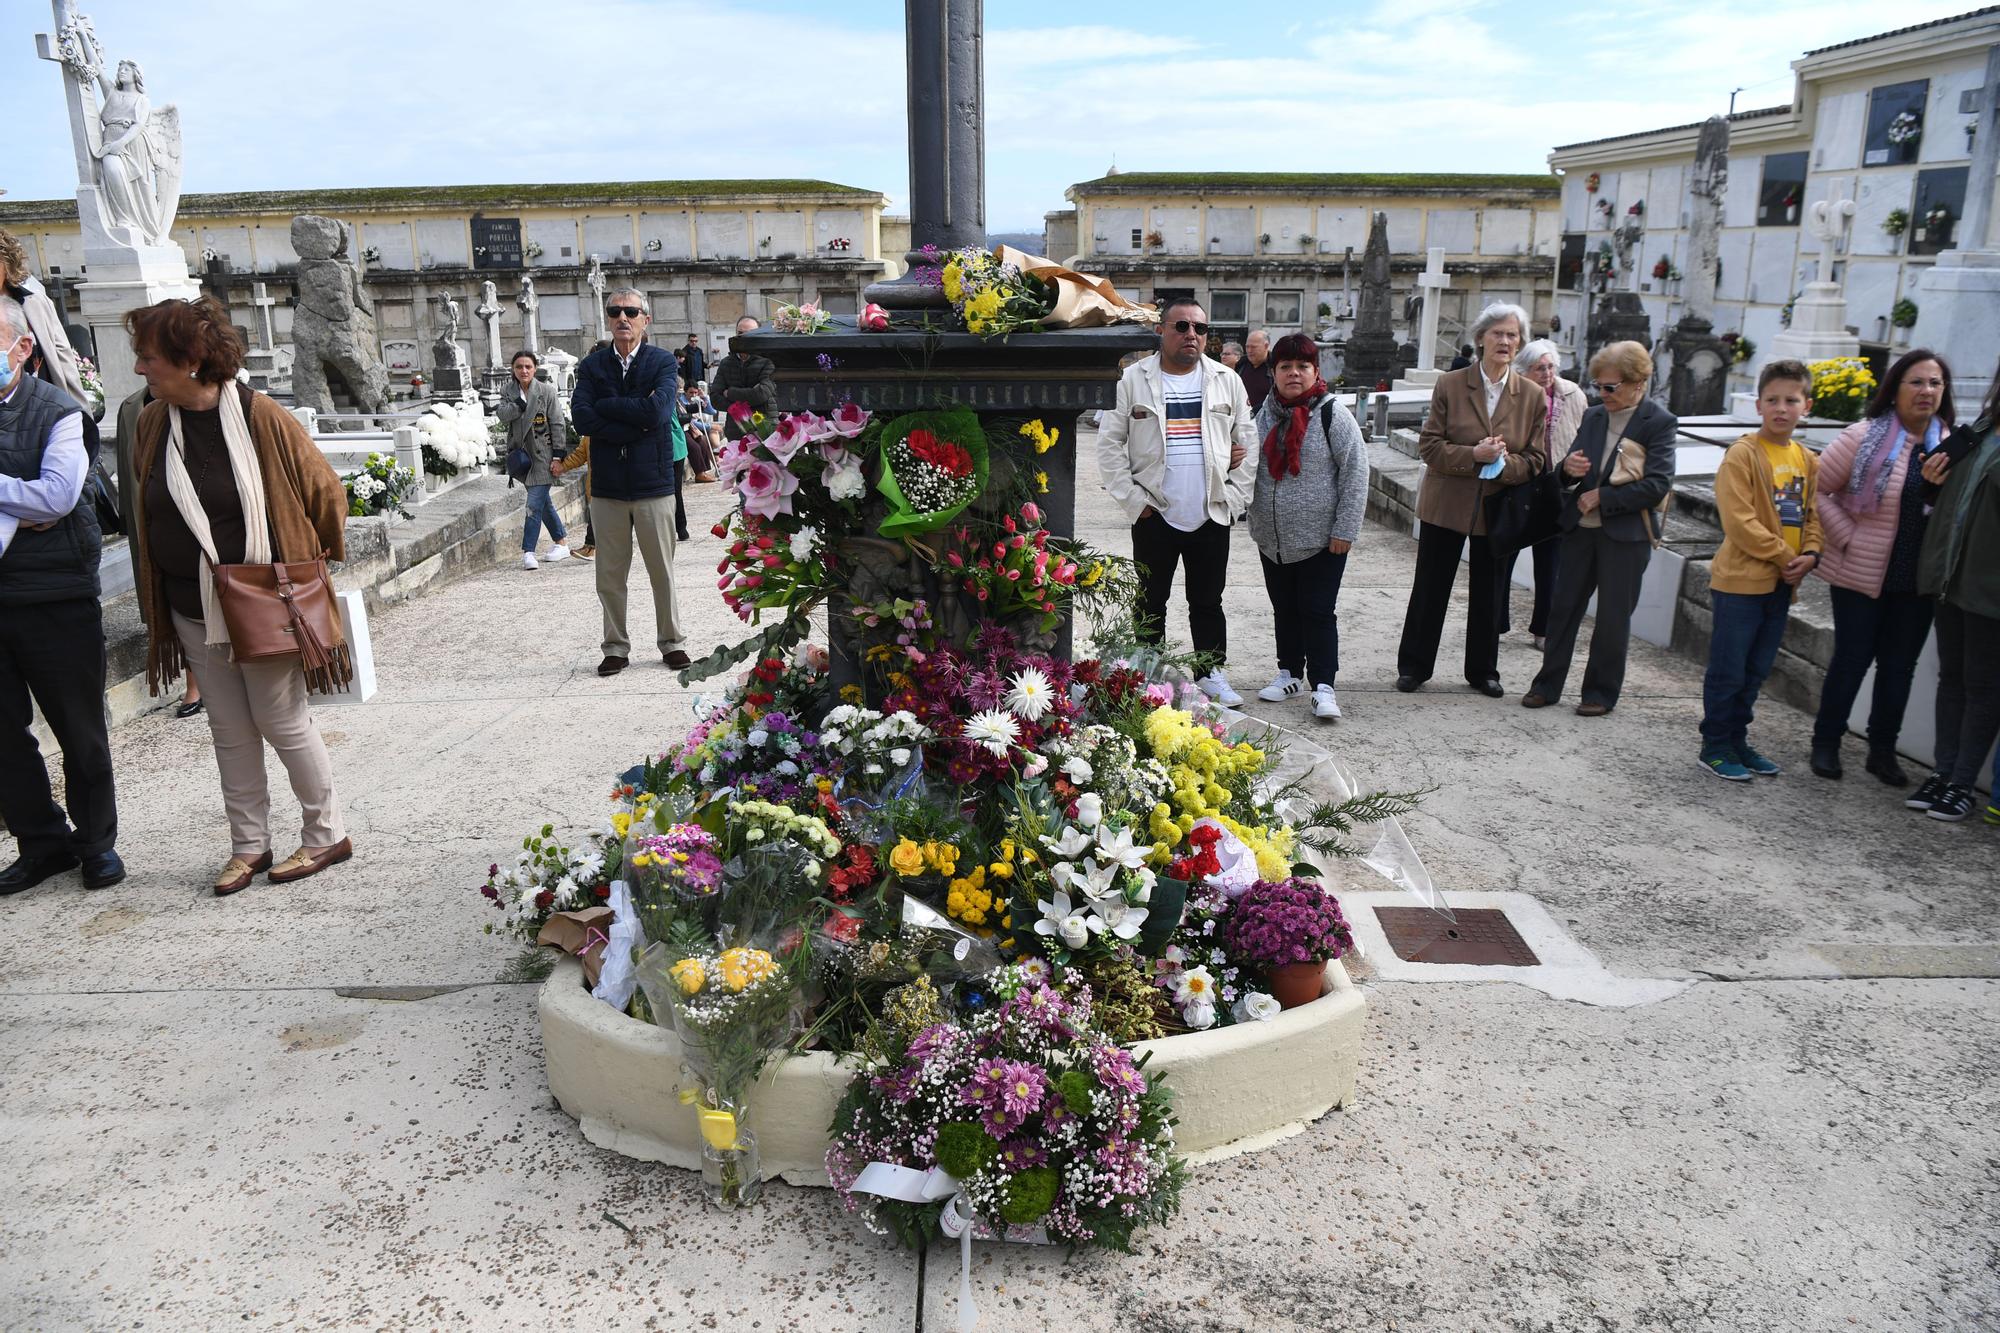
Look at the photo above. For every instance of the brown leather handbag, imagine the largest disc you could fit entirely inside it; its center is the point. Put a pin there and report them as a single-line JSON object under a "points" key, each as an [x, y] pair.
{"points": [[286, 610]]}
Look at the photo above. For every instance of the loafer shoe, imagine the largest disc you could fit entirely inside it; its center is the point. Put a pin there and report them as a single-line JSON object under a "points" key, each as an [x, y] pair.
{"points": [[304, 862], [29, 871], [1592, 708], [102, 870], [189, 709], [236, 876], [611, 666], [1490, 687], [1408, 684], [1533, 700], [676, 660]]}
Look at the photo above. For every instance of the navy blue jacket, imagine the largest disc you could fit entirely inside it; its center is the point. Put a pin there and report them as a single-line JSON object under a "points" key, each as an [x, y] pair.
{"points": [[625, 414]]}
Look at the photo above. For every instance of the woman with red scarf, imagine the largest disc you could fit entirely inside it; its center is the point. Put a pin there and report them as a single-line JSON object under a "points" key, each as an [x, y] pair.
{"points": [[1311, 495]]}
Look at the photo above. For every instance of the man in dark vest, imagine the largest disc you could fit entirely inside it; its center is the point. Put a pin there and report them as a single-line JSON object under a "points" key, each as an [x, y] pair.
{"points": [[51, 631]]}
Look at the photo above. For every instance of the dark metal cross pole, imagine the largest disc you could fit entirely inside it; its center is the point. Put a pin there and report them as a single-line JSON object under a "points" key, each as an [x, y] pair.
{"points": [[945, 60]]}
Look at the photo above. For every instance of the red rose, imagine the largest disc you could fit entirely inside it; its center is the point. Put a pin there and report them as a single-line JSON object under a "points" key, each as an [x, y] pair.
{"points": [[842, 927]]}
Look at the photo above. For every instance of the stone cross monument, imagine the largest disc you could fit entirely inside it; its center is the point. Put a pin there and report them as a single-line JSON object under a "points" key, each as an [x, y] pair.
{"points": [[1433, 282], [1819, 316], [1372, 355], [128, 169], [531, 314], [594, 280], [262, 360], [1958, 298], [1698, 361]]}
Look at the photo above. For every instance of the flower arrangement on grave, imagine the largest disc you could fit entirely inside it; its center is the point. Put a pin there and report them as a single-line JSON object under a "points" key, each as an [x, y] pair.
{"points": [[1025, 1121], [1938, 217], [371, 254], [840, 245], [1841, 388], [990, 297], [933, 464], [1905, 129], [1282, 927], [1662, 267], [1637, 210], [381, 486], [1605, 208], [93, 384], [1903, 314], [1741, 349], [1591, 182], [804, 317], [456, 438], [546, 877], [1897, 221], [533, 249]]}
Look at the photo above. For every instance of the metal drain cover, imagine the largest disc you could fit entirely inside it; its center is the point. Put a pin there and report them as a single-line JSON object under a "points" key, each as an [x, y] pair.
{"points": [[1482, 936]]}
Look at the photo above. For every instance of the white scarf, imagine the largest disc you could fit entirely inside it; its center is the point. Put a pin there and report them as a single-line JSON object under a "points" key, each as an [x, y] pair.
{"points": [[249, 489]]}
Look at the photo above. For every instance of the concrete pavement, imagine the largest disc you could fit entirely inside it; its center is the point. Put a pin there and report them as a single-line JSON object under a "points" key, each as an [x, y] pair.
{"points": [[211, 1119]]}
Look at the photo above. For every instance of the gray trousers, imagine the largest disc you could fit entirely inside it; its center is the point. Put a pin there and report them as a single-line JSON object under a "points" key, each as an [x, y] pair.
{"points": [[620, 525], [1592, 562]]}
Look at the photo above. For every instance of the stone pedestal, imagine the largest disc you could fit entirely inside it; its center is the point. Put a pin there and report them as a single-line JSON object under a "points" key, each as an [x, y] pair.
{"points": [[1819, 327], [1619, 317], [493, 382], [1055, 376], [1958, 312], [122, 280]]}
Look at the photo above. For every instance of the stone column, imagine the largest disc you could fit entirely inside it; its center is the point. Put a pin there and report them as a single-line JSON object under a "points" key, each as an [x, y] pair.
{"points": [[1698, 362], [1372, 354], [1958, 299], [945, 58]]}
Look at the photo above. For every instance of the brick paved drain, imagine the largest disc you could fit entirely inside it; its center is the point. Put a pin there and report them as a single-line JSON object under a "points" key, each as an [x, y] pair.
{"points": [[1482, 936]]}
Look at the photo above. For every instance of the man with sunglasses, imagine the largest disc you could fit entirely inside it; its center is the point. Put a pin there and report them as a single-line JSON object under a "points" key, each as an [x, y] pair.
{"points": [[1175, 454], [625, 401]]}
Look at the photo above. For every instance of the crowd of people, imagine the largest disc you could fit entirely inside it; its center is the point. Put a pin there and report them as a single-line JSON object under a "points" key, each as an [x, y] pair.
{"points": [[1900, 516]]}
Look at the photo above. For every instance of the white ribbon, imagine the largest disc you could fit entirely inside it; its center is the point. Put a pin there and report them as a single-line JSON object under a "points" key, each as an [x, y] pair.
{"points": [[909, 1185]]}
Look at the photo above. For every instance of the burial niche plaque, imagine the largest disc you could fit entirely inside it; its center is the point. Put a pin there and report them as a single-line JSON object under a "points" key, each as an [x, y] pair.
{"points": [[496, 243]]}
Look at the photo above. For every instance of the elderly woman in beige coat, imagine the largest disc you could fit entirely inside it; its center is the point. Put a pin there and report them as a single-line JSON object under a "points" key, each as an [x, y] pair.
{"points": [[1486, 431], [1540, 362]]}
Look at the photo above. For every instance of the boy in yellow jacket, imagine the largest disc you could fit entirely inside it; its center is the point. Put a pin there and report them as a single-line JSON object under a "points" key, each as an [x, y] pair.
{"points": [[1765, 493]]}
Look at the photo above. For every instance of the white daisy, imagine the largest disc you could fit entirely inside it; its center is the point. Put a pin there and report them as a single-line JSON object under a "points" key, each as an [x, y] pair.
{"points": [[993, 729], [1031, 696]]}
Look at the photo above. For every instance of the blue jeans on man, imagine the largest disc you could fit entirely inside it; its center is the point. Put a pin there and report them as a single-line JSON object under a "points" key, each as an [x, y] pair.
{"points": [[1742, 649], [541, 509]]}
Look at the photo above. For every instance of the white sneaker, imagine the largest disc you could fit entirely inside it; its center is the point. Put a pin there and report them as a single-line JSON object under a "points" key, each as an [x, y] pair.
{"points": [[557, 552], [1283, 686], [528, 560], [1216, 686], [1325, 706]]}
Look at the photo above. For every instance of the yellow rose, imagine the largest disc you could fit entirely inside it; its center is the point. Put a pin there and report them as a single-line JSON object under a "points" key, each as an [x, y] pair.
{"points": [[907, 859], [689, 975]]}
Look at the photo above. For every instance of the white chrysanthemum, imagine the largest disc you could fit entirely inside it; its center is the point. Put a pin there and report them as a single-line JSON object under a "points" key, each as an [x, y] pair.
{"points": [[1031, 696], [994, 730]]}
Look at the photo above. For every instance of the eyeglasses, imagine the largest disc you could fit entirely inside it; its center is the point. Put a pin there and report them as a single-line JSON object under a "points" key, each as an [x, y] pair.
{"points": [[1188, 325], [629, 311], [1606, 390]]}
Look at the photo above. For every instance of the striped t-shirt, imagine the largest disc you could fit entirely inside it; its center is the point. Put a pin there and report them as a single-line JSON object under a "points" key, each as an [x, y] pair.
{"points": [[1187, 465]]}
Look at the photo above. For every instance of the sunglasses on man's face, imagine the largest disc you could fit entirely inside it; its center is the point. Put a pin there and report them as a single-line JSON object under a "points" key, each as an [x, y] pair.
{"points": [[629, 311], [1188, 325]]}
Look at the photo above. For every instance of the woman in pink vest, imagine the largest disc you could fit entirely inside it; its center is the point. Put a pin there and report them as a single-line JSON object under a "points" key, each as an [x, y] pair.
{"points": [[1873, 515]]}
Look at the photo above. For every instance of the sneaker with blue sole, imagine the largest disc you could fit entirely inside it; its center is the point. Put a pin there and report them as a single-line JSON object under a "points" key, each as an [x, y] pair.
{"points": [[1720, 759], [1756, 763]]}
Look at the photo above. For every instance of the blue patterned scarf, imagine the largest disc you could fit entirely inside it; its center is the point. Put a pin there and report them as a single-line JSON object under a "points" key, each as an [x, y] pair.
{"points": [[1875, 460]]}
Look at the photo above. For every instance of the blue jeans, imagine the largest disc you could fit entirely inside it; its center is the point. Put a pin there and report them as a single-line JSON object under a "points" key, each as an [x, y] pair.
{"points": [[1742, 648], [541, 510]]}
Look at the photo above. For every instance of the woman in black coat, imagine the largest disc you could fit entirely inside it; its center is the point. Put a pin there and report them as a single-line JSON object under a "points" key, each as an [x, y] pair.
{"points": [[1620, 467]]}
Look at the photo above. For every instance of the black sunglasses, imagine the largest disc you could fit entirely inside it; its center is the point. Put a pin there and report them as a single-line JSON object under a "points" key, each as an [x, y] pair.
{"points": [[1186, 325], [629, 311], [1606, 390]]}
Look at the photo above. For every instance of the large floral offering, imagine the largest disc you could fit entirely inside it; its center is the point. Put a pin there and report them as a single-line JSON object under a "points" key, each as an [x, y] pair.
{"points": [[1290, 921], [1038, 1118], [682, 861], [1841, 388], [1018, 572], [546, 877], [380, 486], [456, 437], [991, 297]]}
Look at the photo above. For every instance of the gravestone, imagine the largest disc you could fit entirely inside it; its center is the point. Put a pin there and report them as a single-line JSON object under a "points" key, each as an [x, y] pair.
{"points": [[333, 325], [261, 361], [531, 314], [1372, 356], [1818, 330], [1698, 362], [496, 243], [1433, 282], [128, 167], [402, 358]]}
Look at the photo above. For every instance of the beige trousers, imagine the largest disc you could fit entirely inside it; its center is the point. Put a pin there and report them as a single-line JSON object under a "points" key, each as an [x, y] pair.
{"points": [[618, 523], [250, 703]]}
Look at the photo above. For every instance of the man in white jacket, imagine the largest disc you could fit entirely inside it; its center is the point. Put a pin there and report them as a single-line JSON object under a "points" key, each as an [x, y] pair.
{"points": [[1177, 452]]}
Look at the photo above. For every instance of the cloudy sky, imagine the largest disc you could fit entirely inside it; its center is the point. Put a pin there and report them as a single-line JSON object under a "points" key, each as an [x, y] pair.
{"points": [[417, 92]]}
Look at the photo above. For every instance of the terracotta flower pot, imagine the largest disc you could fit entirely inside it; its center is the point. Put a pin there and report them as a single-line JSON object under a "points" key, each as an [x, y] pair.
{"points": [[1294, 984]]}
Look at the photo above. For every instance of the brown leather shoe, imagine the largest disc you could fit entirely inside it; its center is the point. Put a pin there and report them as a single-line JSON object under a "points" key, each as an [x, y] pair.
{"points": [[611, 666], [676, 660], [236, 876], [1533, 700], [1591, 708], [305, 862]]}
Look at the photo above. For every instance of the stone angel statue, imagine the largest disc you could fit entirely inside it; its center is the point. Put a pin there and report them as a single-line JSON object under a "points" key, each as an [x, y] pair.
{"points": [[138, 156]]}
